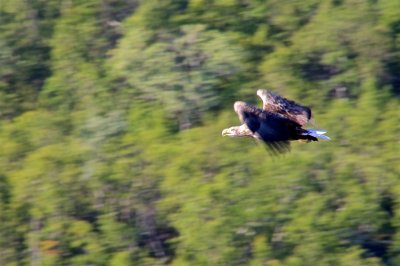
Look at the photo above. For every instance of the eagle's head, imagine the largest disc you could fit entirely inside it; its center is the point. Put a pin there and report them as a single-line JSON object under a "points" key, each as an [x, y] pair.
{"points": [[238, 131], [231, 132]]}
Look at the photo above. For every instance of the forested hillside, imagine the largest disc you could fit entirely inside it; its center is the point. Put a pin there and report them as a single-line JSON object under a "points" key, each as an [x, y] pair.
{"points": [[111, 114]]}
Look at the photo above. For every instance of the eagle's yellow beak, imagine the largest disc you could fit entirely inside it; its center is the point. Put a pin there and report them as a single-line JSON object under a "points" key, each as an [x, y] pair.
{"points": [[225, 132]]}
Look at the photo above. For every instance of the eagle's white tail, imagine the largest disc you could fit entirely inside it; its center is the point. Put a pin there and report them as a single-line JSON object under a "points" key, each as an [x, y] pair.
{"points": [[317, 133]]}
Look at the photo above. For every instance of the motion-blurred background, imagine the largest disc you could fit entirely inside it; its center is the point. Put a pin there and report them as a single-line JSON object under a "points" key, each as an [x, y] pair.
{"points": [[110, 133]]}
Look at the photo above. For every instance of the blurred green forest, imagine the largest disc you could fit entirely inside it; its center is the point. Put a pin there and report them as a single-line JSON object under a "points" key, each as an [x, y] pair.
{"points": [[111, 114]]}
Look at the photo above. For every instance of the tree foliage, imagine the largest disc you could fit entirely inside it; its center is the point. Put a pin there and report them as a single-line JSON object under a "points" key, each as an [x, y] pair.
{"points": [[111, 113]]}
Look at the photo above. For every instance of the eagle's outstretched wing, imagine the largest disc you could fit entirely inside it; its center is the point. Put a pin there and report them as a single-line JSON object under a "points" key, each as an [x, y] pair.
{"points": [[291, 110], [274, 130]]}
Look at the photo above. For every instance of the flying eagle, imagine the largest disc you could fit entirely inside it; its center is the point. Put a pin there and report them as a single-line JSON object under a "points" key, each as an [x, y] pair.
{"points": [[278, 122]]}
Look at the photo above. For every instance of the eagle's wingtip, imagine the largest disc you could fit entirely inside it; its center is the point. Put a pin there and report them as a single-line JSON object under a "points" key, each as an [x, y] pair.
{"points": [[238, 105], [261, 92]]}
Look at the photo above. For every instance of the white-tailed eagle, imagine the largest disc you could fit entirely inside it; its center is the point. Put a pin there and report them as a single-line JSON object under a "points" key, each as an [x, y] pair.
{"points": [[278, 122]]}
